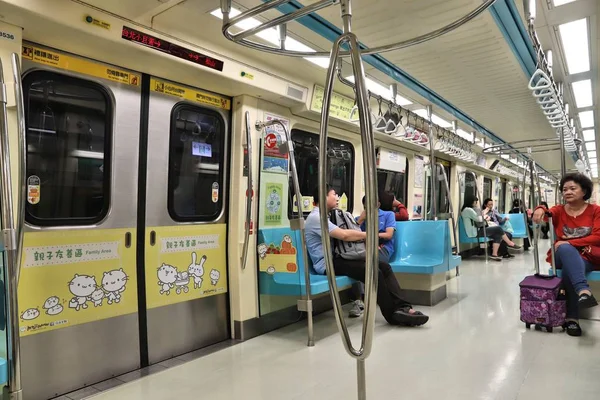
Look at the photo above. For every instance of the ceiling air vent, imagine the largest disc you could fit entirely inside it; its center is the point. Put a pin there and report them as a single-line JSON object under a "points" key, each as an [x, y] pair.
{"points": [[295, 92]]}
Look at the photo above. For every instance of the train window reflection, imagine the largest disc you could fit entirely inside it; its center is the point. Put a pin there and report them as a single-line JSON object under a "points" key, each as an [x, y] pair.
{"points": [[487, 188], [340, 166], [196, 161], [69, 125], [393, 182], [442, 197]]}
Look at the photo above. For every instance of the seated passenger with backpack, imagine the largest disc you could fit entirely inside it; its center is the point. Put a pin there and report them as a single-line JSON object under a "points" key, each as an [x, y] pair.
{"points": [[395, 310]]}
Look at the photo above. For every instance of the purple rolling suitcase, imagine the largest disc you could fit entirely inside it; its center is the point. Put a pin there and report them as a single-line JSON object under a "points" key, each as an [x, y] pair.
{"points": [[543, 301]]}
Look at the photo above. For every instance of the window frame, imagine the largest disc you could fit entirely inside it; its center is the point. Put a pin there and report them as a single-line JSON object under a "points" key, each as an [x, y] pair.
{"points": [[291, 213], [105, 92], [182, 105]]}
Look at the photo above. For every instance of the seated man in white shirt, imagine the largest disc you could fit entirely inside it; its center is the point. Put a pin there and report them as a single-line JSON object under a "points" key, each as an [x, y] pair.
{"points": [[395, 310]]}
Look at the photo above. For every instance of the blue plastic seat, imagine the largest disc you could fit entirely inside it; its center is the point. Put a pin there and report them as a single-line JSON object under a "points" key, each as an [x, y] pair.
{"points": [[292, 284], [593, 276], [462, 234], [517, 221], [3, 371], [421, 247]]}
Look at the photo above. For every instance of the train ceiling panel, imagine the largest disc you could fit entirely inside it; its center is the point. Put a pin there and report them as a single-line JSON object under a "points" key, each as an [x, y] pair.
{"points": [[550, 16], [473, 67]]}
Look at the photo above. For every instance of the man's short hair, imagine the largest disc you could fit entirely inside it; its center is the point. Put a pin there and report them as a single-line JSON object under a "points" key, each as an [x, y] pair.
{"points": [[316, 191]]}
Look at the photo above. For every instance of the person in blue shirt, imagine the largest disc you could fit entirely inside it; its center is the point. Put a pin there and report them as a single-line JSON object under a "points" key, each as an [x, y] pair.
{"points": [[395, 310], [387, 227]]}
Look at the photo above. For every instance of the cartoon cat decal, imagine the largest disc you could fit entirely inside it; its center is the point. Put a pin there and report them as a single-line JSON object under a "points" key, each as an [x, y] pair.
{"points": [[167, 275], [197, 270], [30, 314], [82, 287], [113, 283], [214, 277], [52, 306], [262, 250], [97, 297]]}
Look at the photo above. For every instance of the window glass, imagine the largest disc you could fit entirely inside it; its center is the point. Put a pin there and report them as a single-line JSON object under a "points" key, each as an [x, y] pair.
{"points": [[487, 189], [340, 165], [469, 188], [442, 197], [393, 182], [196, 157], [69, 125]]}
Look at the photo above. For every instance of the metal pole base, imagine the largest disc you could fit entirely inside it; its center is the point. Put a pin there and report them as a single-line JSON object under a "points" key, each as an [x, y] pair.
{"points": [[361, 379], [8, 395]]}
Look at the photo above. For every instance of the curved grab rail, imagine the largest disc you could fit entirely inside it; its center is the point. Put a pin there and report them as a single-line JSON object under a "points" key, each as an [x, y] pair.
{"points": [[241, 37], [249, 192], [11, 242], [368, 147], [300, 225], [22, 131]]}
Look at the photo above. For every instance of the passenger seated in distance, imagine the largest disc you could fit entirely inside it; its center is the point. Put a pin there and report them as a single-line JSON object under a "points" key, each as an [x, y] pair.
{"points": [[577, 230], [474, 227], [390, 203], [387, 227], [545, 228], [496, 219], [395, 310]]}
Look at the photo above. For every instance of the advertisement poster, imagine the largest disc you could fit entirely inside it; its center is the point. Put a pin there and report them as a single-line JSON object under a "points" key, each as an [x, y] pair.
{"points": [[419, 171], [273, 160], [273, 204], [187, 263], [72, 278], [418, 207]]}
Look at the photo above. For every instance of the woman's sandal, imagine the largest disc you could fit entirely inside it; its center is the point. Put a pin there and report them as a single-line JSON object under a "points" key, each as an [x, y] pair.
{"points": [[572, 328], [587, 301]]}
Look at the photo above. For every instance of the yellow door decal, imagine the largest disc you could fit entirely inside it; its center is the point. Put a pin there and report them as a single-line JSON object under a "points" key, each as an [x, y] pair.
{"points": [[185, 263], [74, 277]]}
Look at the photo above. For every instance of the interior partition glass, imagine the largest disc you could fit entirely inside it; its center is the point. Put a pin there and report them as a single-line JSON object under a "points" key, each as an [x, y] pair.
{"points": [[441, 194]]}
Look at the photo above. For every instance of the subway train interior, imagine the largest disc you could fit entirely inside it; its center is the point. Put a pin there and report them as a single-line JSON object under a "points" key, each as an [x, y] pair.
{"points": [[160, 159]]}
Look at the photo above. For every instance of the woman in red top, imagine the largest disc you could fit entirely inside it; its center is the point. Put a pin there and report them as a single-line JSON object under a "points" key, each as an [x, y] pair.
{"points": [[577, 228]]}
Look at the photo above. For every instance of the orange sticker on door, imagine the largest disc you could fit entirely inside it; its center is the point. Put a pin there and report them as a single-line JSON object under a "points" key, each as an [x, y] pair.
{"points": [[33, 189], [215, 192]]}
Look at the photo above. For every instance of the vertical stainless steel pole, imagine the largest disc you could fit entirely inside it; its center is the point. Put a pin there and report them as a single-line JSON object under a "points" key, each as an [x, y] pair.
{"points": [[13, 390], [563, 166], [249, 190], [433, 207]]}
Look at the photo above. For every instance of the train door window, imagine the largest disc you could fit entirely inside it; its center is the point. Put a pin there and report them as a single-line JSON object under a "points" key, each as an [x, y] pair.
{"points": [[196, 162], [69, 127], [487, 188], [340, 165]]}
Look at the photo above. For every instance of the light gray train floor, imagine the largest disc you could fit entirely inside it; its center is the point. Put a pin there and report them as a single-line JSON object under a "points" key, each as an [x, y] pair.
{"points": [[474, 347]]}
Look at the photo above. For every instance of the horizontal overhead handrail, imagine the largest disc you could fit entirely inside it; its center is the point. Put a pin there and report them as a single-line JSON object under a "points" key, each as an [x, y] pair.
{"points": [[242, 37]]}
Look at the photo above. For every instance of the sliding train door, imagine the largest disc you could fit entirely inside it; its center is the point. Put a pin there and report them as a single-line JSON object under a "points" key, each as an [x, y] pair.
{"points": [[78, 285], [185, 219]]}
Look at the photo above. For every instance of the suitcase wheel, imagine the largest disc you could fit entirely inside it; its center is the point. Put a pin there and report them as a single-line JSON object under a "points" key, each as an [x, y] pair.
{"points": [[549, 329], [527, 326], [538, 327]]}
